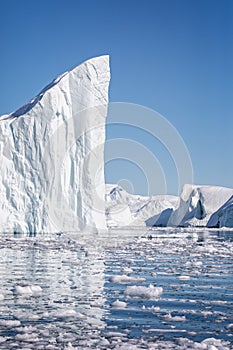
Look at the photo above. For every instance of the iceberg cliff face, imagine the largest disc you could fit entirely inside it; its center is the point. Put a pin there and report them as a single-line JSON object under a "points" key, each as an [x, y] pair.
{"points": [[52, 155], [223, 217], [198, 203]]}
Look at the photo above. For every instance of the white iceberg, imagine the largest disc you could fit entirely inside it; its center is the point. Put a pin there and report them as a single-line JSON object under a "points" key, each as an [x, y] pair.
{"points": [[125, 209], [223, 217], [198, 203], [52, 155], [203, 206]]}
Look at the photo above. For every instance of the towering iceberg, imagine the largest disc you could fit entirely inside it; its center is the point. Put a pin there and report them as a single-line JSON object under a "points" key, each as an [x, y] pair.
{"points": [[52, 155]]}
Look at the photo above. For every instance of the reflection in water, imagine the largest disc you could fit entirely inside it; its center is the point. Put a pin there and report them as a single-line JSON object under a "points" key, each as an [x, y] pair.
{"points": [[72, 282], [84, 302]]}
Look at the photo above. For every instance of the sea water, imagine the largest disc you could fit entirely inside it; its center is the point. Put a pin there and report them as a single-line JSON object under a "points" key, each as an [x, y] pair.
{"points": [[129, 289]]}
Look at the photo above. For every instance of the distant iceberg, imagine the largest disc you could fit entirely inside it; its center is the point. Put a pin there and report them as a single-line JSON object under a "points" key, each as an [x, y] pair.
{"points": [[125, 209], [197, 206], [223, 217], [198, 203]]}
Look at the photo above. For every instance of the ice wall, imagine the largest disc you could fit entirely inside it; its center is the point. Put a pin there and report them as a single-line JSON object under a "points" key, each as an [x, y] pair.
{"points": [[52, 155]]}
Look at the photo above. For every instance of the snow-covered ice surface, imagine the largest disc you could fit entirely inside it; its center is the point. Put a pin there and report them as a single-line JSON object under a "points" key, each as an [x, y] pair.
{"points": [[131, 289], [52, 155]]}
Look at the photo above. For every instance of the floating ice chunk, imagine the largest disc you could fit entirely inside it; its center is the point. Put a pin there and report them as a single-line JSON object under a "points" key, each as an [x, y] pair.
{"points": [[119, 304], [124, 279], [127, 270], [26, 329], [2, 339], [214, 344], [183, 278], [115, 334], [142, 292], [1, 297], [10, 323], [149, 258], [169, 317], [230, 326], [26, 337], [33, 289], [154, 308]]}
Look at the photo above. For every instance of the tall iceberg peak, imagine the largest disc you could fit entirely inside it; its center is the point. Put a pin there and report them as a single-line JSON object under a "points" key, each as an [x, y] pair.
{"points": [[52, 155]]}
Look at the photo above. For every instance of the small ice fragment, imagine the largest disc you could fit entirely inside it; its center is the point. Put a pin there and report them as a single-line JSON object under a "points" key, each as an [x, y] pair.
{"points": [[10, 323], [169, 317], [119, 304], [127, 270], [230, 326], [122, 279], [154, 308], [2, 339], [33, 289], [183, 278], [150, 292]]}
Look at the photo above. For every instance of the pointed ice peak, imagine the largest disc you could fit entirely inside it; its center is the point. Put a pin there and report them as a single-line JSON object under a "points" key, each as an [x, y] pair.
{"points": [[97, 66]]}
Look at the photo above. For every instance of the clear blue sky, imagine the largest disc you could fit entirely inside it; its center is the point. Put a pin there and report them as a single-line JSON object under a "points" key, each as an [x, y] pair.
{"points": [[174, 56]]}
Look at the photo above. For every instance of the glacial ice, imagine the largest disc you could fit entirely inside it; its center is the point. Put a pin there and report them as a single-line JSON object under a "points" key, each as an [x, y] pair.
{"points": [[125, 209], [198, 203], [223, 217], [52, 155], [202, 206]]}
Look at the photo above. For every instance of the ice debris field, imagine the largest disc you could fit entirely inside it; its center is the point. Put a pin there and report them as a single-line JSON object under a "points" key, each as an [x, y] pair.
{"points": [[162, 289]]}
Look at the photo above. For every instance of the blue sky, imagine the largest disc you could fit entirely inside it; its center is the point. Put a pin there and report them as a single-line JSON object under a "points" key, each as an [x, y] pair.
{"points": [[173, 56]]}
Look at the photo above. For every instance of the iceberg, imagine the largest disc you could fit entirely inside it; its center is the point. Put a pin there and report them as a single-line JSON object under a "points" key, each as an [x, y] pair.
{"points": [[125, 209], [223, 217], [197, 204], [52, 155]]}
